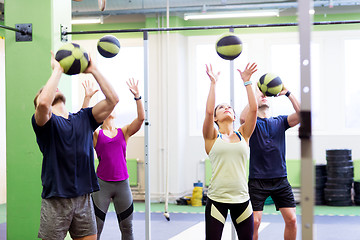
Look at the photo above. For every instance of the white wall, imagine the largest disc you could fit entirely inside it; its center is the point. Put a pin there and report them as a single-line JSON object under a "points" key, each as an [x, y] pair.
{"points": [[2, 125], [168, 116]]}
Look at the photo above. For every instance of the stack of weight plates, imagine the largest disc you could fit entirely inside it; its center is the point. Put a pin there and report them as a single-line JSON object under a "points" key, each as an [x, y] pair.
{"points": [[340, 177], [321, 176], [357, 193]]}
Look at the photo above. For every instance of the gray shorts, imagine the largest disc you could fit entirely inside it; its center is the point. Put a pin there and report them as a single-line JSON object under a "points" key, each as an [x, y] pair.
{"points": [[60, 215]]}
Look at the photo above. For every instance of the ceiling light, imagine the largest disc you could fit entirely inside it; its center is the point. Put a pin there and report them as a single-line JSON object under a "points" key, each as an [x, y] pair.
{"points": [[232, 14], [94, 20]]}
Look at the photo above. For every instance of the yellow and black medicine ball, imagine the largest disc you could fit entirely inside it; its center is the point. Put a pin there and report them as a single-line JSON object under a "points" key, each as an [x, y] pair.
{"points": [[108, 46], [72, 58], [270, 84], [228, 46]]}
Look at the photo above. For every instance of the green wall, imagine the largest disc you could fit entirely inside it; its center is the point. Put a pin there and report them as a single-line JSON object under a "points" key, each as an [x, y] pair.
{"points": [[27, 66], [2, 31], [27, 69]]}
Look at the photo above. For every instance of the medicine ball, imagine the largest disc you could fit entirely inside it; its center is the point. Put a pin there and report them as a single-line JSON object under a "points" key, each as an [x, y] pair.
{"points": [[108, 46], [270, 84], [72, 58], [228, 46]]}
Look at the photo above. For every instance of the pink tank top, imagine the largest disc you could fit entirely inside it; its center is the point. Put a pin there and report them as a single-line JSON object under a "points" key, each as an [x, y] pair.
{"points": [[111, 153]]}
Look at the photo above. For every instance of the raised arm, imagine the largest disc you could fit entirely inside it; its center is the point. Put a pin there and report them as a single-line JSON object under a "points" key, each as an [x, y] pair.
{"points": [[293, 119], [103, 108], [209, 132], [250, 118], [133, 127], [89, 92], [244, 113], [95, 137], [47, 95]]}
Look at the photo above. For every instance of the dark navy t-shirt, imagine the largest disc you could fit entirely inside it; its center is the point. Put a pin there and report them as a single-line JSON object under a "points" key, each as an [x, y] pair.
{"points": [[267, 148], [68, 157]]}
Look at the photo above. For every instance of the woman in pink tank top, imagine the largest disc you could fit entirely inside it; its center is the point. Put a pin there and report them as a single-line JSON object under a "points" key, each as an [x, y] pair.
{"points": [[110, 146]]}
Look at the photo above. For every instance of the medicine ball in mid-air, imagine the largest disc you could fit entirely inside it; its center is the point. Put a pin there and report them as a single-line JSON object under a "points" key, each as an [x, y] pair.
{"points": [[228, 46], [108, 46], [270, 84], [72, 58]]}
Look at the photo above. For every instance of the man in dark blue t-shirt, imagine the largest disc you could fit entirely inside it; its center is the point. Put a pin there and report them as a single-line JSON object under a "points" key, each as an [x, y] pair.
{"points": [[68, 174], [267, 172]]}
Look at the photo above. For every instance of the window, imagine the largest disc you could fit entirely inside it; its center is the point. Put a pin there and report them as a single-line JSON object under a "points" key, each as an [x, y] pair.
{"points": [[352, 87], [205, 53], [275, 54], [129, 63], [285, 63]]}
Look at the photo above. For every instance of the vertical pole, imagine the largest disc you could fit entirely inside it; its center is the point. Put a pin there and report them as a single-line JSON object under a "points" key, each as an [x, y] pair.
{"points": [[232, 104], [166, 142], [147, 125], [2, 124], [307, 176], [232, 94]]}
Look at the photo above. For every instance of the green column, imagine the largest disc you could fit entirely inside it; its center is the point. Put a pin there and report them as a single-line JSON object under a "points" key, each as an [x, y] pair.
{"points": [[27, 69]]}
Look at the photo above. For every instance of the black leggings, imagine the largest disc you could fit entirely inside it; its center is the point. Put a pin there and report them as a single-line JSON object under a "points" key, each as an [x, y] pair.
{"points": [[241, 216]]}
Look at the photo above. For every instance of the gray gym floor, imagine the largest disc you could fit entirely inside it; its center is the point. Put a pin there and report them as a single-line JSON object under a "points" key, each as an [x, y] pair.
{"points": [[325, 228], [330, 223]]}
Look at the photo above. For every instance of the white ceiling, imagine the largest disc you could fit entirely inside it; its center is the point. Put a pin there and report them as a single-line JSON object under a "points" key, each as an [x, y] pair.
{"points": [[178, 7], [126, 7]]}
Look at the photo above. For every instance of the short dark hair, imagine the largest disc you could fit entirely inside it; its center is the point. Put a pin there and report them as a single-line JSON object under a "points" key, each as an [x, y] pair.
{"points": [[217, 108], [58, 98], [36, 97]]}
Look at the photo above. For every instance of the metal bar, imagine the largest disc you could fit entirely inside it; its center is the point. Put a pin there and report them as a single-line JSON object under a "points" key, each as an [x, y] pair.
{"points": [[12, 29], [146, 140], [307, 168], [232, 91], [166, 122], [232, 104], [209, 27]]}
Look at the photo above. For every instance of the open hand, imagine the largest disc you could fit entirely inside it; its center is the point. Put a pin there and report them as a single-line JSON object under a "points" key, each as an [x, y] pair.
{"points": [[89, 88], [91, 66], [55, 64], [213, 77], [133, 87], [248, 71]]}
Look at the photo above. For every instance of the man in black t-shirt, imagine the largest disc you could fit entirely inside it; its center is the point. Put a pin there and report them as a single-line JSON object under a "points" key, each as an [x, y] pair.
{"points": [[68, 174], [267, 171]]}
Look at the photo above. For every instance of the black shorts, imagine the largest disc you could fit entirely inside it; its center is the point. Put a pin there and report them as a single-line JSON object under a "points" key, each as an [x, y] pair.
{"points": [[278, 188]]}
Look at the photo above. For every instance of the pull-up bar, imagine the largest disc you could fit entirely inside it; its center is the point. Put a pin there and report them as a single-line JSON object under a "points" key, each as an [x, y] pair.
{"points": [[23, 31], [64, 33], [11, 28]]}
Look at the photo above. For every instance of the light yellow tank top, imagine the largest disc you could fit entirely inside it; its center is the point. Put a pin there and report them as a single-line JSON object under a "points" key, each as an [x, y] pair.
{"points": [[228, 183]]}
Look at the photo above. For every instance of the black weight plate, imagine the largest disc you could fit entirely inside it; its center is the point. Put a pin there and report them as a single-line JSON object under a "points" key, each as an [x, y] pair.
{"points": [[340, 180], [338, 151]]}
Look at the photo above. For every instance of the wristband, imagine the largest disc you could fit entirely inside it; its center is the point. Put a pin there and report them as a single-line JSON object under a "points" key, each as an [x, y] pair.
{"points": [[247, 83], [137, 98], [287, 93]]}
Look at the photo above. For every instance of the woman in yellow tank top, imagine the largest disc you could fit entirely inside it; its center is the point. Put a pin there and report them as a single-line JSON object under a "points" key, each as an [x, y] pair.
{"points": [[228, 152]]}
